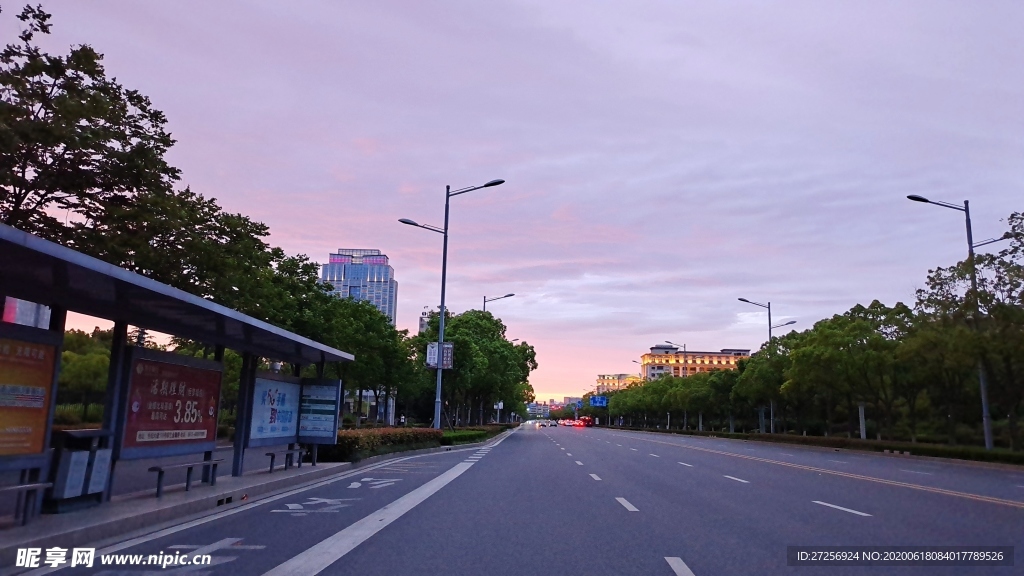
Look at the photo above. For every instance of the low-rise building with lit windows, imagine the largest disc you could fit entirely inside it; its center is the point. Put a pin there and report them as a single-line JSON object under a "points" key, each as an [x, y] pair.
{"points": [[668, 360], [612, 382]]}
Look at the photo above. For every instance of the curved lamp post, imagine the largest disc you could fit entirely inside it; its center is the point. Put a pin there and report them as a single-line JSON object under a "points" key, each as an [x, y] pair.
{"points": [[448, 193], [486, 299], [986, 419]]}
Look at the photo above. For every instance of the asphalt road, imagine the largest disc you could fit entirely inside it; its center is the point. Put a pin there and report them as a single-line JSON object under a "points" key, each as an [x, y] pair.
{"points": [[592, 501]]}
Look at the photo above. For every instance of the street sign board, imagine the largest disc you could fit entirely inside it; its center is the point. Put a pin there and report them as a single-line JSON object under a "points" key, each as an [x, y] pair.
{"points": [[599, 401], [579, 404], [446, 359]]}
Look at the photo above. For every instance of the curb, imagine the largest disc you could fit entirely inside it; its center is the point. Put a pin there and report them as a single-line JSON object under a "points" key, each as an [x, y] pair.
{"points": [[969, 463]]}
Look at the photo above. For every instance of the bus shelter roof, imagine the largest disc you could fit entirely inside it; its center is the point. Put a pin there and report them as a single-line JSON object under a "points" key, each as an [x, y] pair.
{"points": [[41, 271]]}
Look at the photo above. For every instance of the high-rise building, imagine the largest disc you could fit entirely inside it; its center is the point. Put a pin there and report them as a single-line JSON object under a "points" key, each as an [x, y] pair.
{"points": [[363, 275]]}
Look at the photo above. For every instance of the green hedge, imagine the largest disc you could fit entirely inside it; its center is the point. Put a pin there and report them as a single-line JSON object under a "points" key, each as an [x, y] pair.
{"points": [[356, 444], [464, 436], [976, 453]]}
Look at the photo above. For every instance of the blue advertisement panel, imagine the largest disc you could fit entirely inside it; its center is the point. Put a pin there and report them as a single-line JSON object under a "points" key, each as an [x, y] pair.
{"points": [[275, 412]]}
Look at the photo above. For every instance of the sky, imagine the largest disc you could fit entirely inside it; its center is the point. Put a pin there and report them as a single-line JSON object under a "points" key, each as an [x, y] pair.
{"points": [[661, 158]]}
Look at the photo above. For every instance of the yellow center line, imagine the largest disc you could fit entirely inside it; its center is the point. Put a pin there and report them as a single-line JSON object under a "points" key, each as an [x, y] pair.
{"points": [[969, 496]]}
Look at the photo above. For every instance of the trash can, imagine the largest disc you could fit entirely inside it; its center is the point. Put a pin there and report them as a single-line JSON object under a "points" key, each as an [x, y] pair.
{"points": [[80, 471]]}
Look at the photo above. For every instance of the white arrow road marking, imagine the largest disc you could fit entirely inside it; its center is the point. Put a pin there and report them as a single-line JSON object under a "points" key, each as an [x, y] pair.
{"points": [[841, 508], [330, 550], [678, 566]]}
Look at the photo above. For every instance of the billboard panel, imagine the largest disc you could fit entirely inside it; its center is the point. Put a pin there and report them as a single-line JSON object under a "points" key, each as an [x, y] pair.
{"points": [[26, 384], [171, 408], [275, 411], [447, 357]]}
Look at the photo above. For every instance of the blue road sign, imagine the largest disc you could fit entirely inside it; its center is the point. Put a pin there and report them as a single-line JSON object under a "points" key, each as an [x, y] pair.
{"points": [[579, 404], [599, 401]]}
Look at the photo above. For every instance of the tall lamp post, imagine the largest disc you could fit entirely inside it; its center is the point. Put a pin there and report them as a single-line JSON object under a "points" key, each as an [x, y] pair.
{"points": [[486, 299], [448, 193], [770, 328], [986, 419]]}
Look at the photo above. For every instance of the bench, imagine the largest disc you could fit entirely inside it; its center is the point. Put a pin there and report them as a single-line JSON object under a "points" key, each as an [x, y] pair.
{"points": [[30, 501], [289, 454], [188, 473]]}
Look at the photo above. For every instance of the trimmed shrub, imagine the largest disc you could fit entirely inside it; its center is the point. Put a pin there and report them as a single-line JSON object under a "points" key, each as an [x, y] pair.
{"points": [[356, 444], [464, 436]]}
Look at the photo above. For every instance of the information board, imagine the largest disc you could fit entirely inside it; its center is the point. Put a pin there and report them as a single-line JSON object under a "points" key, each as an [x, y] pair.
{"points": [[171, 408], [446, 358], [318, 411], [26, 385], [275, 411]]}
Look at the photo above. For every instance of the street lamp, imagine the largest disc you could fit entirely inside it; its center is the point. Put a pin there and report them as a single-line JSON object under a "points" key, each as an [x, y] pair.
{"points": [[486, 299], [790, 323], [686, 366], [986, 419], [641, 372], [448, 193]]}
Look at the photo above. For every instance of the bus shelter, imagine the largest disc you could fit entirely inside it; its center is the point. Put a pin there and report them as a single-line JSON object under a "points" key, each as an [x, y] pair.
{"points": [[156, 403]]}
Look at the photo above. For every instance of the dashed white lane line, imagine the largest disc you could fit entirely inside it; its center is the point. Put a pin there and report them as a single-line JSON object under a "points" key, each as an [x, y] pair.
{"points": [[838, 461], [580, 463], [685, 464], [737, 479], [785, 454], [633, 449], [625, 503], [619, 445], [678, 566], [916, 472], [567, 454], [655, 455], [841, 508], [563, 448], [595, 476]]}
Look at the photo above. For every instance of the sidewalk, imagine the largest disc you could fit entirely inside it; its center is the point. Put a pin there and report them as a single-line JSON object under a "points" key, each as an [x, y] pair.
{"points": [[130, 512]]}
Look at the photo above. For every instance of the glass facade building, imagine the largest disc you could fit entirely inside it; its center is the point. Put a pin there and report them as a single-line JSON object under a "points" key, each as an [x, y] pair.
{"points": [[363, 274]]}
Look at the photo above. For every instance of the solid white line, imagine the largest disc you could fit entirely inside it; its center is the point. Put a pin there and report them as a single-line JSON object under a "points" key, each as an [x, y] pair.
{"points": [[580, 463], [595, 476], [655, 455], [678, 566], [627, 505], [685, 464], [916, 472], [331, 549], [737, 479], [840, 508]]}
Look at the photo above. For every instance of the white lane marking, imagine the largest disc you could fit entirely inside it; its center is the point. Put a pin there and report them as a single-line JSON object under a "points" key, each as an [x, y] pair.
{"points": [[595, 476], [785, 454], [837, 461], [619, 445], [625, 503], [331, 549], [655, 455], [685, 464], [737, 479], [563, 448], [633, 449], [916, 472], [840, 508], [678, 566], [567, 454], [580, 463]]}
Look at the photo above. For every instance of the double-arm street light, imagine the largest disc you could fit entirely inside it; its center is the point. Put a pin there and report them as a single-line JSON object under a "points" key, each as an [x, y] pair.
{"points": [[486, 299], [448, 193], [770, 328], [986, 419]]}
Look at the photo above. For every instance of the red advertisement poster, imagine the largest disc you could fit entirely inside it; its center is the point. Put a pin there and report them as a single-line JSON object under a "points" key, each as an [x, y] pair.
{"points": [[26, 380], [171, 405]]}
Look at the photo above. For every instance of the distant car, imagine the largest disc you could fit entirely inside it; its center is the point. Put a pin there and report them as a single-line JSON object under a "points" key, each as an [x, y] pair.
{"points": [[554, 423]]}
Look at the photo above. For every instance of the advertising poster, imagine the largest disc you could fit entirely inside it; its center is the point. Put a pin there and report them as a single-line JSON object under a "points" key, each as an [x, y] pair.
{"points": [[275, 410], [26, 382], [318, 412], [170, 405]]}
